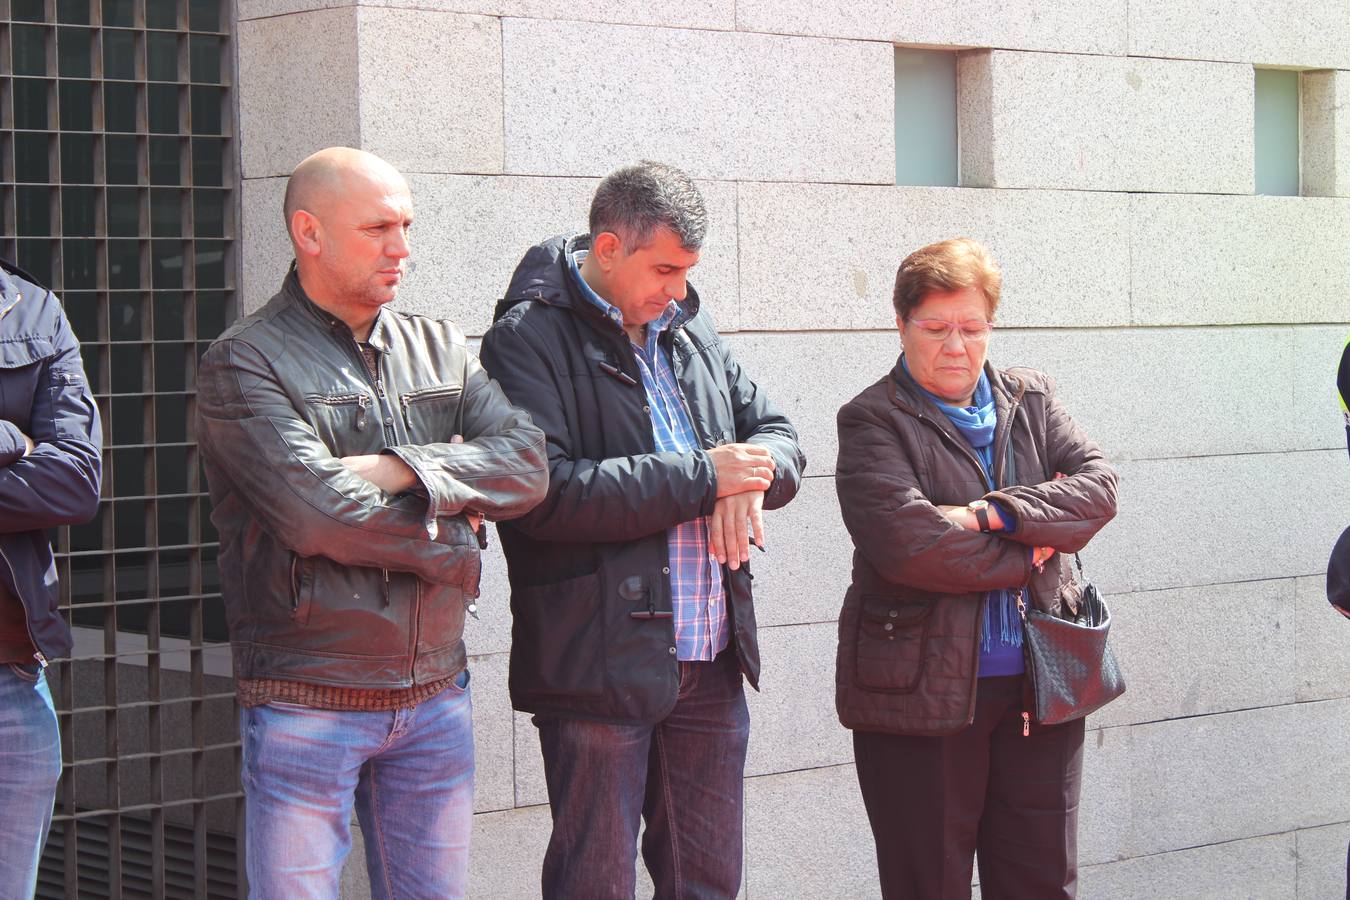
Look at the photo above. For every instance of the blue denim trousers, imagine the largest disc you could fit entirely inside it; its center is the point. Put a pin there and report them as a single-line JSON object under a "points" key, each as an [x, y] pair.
{"points": [[408, 771], [30, 765], [683, 775]]}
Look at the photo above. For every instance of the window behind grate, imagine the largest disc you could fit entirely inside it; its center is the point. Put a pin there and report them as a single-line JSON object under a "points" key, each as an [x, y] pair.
{"points": [[118, 175]]}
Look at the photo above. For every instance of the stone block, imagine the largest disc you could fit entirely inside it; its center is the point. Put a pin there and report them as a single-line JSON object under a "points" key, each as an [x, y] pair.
{"points": [[1177, 647], [1072, 27], [265, 245], [491, 631], [805, 571], [1325, 145], [1322, 640], [1165, 535], [750, 105], [493, 730], [1322, 861], [711, 14], [1318, 422], [806, 835], [1108, 123], [280, 123], [506, 853], [1213, 260], [823, 257], [471, 232], [793, 725], [531, 788], [431, 90], [1261, 867], [1105, 809], [1238, 775], [1299, 33]]}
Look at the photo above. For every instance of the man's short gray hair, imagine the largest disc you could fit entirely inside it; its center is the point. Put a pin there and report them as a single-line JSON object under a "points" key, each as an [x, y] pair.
{"points": [[636, 201]]}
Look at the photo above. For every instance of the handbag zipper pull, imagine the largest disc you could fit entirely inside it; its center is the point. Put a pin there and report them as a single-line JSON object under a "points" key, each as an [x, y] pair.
{"points": [[1021, 606], [1026, 724]]}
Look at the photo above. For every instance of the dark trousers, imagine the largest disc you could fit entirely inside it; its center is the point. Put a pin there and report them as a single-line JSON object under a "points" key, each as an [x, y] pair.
{"points": [[683, 775], [934, 801]]}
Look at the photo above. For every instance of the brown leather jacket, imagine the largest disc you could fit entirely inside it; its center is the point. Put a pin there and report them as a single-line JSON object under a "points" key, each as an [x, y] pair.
{"points": [[910, 626]]}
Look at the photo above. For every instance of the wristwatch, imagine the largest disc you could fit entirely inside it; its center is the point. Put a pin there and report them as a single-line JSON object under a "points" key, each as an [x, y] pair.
{"points": [[981, 510]]}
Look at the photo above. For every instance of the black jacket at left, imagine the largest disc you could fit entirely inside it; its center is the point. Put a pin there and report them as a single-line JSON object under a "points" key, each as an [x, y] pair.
{"points": [[590, 572], [44, 395]]}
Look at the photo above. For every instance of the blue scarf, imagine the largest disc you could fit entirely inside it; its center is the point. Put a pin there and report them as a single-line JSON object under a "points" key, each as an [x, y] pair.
{"points": [[976, 424]]}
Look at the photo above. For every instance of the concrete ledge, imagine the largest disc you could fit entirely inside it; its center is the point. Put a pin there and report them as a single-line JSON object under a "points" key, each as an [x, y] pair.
{"points": [[749, 105]]}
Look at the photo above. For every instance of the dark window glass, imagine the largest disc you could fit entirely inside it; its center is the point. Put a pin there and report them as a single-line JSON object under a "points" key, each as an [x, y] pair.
{"points": [[36, 257], [124, 212], [161, 56], [169, 315], [171, 470], [166, 212], [170, 360], [129, 534], [166, 264], [205, 52], [206, 110], [80, 263], [128, 471], [165, 161], [162, 100], [78, 213], [121, 157], [119, 13], [204, 15], [126, 370], [27, 10], [119, 106], [208, 213], [77, 158], [30, 157], [30, 103], [77, 105], [207, 162], [128, 420], [210, 261], [28, 43], [73, 52], [73, 12], [124, 316], [171, 419], [212, 313], [119, 54], [124, 264], [34, 208], [82, 310], [161, 13]]}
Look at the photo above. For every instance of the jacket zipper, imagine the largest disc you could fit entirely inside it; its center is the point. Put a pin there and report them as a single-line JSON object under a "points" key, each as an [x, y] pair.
{"points": [[362, 402], [14, 579], [1026, 714], [407, 400], [18, 298]]}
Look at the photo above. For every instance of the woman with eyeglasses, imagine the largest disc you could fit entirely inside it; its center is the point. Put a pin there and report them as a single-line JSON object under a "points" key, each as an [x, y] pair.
{"points": [[963, 486]]}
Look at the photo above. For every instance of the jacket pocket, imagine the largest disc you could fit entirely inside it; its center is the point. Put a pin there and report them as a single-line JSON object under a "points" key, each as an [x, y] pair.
{"points": [[557, 632], [302, 588], [891, 641], [20, 368], [347, 424], [431, 413]]}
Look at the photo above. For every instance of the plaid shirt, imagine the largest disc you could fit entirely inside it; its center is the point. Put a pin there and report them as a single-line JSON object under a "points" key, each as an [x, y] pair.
{"points": [[697, 597]]}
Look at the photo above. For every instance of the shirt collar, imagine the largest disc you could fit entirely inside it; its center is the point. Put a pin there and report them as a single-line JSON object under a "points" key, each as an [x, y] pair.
{"points": [[612, 312]]}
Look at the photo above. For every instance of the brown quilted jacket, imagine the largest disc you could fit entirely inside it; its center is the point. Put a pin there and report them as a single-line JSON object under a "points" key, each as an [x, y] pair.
{"points": [[910, 625]]}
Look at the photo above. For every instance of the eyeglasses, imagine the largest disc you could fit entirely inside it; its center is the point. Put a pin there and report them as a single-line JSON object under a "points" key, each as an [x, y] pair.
{"points": [[940, 329]]}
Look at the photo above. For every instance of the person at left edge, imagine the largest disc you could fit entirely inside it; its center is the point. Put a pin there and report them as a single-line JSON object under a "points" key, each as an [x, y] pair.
{"points": [[50, 471], [347, 499]]}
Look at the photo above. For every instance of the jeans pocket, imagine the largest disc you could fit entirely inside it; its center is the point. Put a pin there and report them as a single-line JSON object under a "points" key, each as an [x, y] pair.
{"points": [[25, 672], [460, 683], [288, 707]]}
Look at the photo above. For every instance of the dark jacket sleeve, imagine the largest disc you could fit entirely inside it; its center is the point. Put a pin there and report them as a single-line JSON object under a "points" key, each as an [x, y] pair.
{"points": [[499, 470], [305, 497], [1063, 513], [903, 535], [759, 422], [615, 499], [58, 483]]}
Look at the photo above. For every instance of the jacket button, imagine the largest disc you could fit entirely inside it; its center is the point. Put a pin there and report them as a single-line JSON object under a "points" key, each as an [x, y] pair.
{"points": [[389, 420], [665, 570], [647, 410], [672, 651], [890, 626], [894, 613]]}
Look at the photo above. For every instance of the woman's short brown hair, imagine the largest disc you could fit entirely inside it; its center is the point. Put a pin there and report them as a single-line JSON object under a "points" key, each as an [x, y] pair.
{"points": [[949, 265]]}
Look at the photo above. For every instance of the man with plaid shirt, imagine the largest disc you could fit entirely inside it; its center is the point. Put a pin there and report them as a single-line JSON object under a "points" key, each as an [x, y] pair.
{"points": [[633, 617]]}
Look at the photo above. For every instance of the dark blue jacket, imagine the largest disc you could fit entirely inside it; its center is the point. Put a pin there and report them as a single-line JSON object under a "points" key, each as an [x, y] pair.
{"points": [[43, 394]]}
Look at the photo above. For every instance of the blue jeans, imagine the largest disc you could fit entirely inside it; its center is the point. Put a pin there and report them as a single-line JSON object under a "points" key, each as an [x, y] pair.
{"points": [[683, 775], [409, 771], [30, 765]]}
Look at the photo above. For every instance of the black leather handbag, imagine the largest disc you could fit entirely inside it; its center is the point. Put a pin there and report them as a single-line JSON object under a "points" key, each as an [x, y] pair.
{"points": [[1072, 669]]}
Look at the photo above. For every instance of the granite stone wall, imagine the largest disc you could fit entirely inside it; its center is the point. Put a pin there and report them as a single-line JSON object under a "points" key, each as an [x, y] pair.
{"points": [[1107, 159]]}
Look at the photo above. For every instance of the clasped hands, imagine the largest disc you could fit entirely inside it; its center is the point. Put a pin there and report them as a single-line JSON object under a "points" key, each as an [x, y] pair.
{"points": [[393, 476], [744, 473]]}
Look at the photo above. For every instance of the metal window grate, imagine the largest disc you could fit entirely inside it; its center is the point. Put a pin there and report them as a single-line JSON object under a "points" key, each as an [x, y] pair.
{"points": [[118, 174]]}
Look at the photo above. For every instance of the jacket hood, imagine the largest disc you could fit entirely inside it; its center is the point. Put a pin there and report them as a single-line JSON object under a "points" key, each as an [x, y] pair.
{"points": [[542, 275]]}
